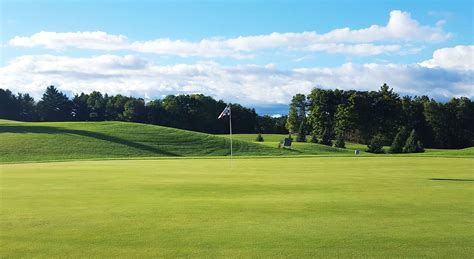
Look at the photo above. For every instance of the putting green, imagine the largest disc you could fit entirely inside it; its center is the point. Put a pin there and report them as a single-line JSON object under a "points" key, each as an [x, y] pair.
{"points": [[270, 207]]}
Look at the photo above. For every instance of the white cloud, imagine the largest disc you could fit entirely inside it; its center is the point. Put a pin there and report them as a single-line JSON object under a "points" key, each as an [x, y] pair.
{"points": [[246, 84], [400, 28], [459, 57]]}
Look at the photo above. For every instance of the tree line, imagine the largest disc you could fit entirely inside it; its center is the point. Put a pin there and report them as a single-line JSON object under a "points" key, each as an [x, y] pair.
{"points": [[378, 118], [194, 112]]}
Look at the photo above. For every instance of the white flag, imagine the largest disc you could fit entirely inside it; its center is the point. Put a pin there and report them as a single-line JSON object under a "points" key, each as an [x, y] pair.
{"points": [[225, 112]]}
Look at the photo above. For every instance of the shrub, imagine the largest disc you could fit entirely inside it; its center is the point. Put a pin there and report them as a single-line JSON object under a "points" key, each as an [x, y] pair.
{"points": [[326, 138], [340, 141], [376, 144], [413, 145], [314, 138], [259, 138], [398, 141]]}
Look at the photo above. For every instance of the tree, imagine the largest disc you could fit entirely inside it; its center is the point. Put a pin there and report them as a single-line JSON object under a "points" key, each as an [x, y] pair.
{"points": [[80, 110], [413, 145], [340, 143], [376, 144], [259, 138], [135, 110], [399, 141], [96, 104], [314, 137], [54, 106], [297, 113], [9, 106], [342, 122], [301, 137], [326, 138]]}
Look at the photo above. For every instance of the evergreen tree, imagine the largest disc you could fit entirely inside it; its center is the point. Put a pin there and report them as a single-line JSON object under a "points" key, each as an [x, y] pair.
{"points": [[376, 144], [54, 106], [259, 138], [340, 143], [301, 137], [399, 141], [413, 145], [326, 138]]}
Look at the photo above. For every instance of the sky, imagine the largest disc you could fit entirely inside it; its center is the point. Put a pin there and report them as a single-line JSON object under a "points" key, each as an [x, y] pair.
{"points": [[256, 53]]}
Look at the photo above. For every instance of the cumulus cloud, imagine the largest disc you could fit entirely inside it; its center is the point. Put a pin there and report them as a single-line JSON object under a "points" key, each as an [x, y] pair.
{"points": [[400, 28], [459, 57], [246, 84]]}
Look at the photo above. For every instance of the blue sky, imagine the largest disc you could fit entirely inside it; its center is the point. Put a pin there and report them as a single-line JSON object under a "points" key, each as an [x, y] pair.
{"points": [[154, 48]]}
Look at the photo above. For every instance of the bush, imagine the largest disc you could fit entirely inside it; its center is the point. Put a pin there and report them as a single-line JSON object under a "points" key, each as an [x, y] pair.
{"points": [[340, 141], [376, 144], [398, 142], [326, 138], [314, 138], [413, 145], [259, 138]]}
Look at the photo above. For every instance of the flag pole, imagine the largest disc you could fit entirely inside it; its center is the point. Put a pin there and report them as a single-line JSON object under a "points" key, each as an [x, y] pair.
{"points": [[230, 130]]}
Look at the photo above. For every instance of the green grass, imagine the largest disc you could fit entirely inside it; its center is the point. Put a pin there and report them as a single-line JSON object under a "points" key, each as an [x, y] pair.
{"points": [[272, 140], [56, 141], [21, 141], [342, 207]]}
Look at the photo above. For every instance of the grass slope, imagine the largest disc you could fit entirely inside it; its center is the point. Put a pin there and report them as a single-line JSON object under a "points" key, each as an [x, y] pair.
{"points": [[34, 141], [272, 140], [319, 207], [22, 141]]}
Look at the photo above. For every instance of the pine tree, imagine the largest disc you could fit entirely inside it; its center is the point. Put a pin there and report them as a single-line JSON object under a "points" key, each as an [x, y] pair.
{"points": [[413, 145], [398, 141], [301, 137], [326, 138], [340, 143]]}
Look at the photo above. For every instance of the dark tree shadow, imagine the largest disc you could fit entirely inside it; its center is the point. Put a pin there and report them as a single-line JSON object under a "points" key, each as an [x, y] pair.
{"points": [[452, 179], [90, 134]]}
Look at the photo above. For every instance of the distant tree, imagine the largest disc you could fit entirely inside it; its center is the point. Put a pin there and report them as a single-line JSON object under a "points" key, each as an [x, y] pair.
{"points": [[297, 113], [340, 143], [399, 141], [156, 114], [96, 104], [80, 110], [314, 138], [376, 144], [54, 106], [27, 107], [326, 138], [301, 137], [259, 138], [135, 110], [412, 144], [9, 106]]}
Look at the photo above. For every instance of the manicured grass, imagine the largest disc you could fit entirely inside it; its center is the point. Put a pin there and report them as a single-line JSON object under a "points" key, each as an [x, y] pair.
{"points": [[21, 141], [361, 207]]}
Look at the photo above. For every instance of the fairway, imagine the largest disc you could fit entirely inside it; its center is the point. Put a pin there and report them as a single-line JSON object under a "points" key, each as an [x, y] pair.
{"points": [[266, 207]]}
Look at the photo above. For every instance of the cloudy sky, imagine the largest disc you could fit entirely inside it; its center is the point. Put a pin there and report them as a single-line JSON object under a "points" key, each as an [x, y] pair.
{"points": [[252, 52]]}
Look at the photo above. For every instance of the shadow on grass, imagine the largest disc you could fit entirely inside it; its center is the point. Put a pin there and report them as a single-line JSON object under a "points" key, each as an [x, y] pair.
{"points": [[96, 135], [452, 179]]}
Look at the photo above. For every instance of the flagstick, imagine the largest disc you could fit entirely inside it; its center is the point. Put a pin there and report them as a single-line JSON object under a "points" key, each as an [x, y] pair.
{"points": [[230, 130]]}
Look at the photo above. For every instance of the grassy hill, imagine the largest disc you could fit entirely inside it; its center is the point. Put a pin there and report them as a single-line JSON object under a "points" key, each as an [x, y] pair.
{"points": [[23, 141], [272, 140], [45, 141]]}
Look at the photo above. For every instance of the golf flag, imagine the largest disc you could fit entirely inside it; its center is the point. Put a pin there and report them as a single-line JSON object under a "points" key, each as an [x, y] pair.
{"points": [[225, 112]]}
